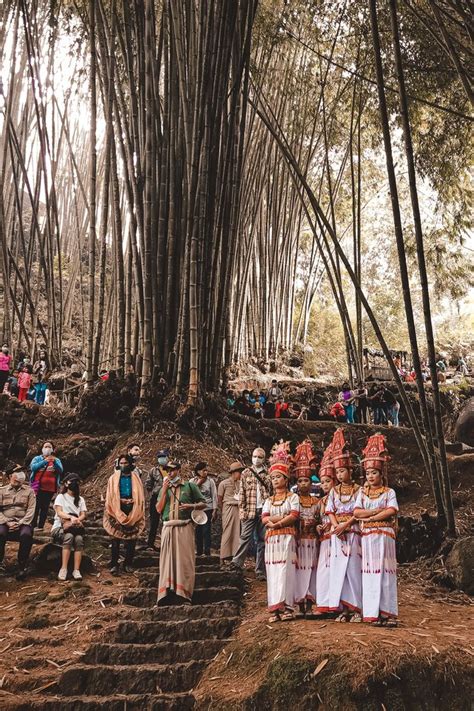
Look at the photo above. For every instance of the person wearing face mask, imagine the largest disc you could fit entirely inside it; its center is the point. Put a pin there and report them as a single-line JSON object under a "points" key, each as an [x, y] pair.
{"points": [[17, 507], [153, 484], [177, 500], [68, 526], [124, 511], [5, 366], [255, 488], [46, 470]]}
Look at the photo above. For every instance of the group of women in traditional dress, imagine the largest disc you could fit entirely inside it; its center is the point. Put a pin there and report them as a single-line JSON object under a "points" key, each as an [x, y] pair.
{"points": [[336, 553]]}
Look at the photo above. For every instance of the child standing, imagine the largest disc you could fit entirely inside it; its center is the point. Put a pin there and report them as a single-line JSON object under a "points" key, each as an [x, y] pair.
{"points": [[24, 383], [327, 476], [376, 508], [305, 462], [307, 547], [345, 573]]}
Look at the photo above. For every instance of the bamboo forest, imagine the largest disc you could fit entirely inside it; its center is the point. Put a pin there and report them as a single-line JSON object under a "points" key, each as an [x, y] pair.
{"points": [[236, 231]]}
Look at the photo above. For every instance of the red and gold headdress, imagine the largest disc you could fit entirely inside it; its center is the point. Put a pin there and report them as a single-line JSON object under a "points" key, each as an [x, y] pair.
{"points": [[327, 466], [341, 454], [280, 459], [376, 454], [305, 460]]}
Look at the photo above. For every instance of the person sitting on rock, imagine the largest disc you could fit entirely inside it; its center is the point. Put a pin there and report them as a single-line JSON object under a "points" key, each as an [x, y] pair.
{"points": [[124, 511], [46, 471], [68, 526], [17, 508]]}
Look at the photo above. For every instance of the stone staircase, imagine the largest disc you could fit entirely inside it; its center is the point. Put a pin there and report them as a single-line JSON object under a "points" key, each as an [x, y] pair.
{"points": [[156, 655]]}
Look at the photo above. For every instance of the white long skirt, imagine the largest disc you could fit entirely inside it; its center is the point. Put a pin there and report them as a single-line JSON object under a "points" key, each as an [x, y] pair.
{"points": [[345, 573], [322, 575], [280, 563], [379, 575], [306, 567]]}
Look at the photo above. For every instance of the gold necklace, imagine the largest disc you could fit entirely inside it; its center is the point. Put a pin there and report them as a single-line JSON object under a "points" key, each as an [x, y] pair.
{"points": [[375, 493], [306, 501], [346, 490], [277, 499]]}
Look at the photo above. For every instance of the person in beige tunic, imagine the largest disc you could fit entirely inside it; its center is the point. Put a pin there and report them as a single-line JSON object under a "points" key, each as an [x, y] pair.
{"points": [[228, 500]]}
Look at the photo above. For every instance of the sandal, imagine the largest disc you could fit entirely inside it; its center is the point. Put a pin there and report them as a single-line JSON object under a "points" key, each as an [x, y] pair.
{"points": [[377, 623], [356, 617], [389, 622], [274, 618], [343, 617], [288, 615]]}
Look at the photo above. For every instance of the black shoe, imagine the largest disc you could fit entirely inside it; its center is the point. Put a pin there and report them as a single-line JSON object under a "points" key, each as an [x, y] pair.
{"points": [[22, 574], [261, 576], [127, 568], [3, 569], [115, 570]]}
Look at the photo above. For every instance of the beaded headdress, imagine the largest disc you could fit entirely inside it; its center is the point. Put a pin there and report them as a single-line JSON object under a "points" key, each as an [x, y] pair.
{"points": [[376, 454], [280, 459], [341, 453], [327, 466], [305, 460]]}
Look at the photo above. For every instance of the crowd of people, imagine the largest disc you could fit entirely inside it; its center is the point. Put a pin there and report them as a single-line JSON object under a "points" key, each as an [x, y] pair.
{"points": [[25, 380], [324, 544], [379, 405]]}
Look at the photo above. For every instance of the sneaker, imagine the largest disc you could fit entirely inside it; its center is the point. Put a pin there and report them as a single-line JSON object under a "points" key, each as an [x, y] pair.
{"points": [[3, 569], [127, 568], [76, 574], [114, 570], [62, 575]]}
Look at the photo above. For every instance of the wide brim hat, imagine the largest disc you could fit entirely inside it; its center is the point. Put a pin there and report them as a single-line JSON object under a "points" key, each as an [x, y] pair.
{"points": [[236, 467], [341, 455], [173, 465]]}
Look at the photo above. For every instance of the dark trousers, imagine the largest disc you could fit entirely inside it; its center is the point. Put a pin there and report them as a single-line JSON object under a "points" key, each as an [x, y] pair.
{"points": [[203, 536], [129, 551], [362, 413], [23, 535], [154, 520], [43, 500]]}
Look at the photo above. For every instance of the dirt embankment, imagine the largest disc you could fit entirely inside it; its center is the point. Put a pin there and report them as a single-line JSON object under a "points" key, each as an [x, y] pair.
{"points": [[426, 663]]}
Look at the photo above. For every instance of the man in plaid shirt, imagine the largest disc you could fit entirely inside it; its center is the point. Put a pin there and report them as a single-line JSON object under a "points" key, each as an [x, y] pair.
{"points": [[255, 487]]}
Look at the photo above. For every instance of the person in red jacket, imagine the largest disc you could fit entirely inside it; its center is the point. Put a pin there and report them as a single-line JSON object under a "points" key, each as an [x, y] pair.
{"points": [[46, 471], [338, 412]]}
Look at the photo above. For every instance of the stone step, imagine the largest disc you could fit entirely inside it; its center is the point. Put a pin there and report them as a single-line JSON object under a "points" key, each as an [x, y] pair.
{"points": [[168, 613], [131, 632], [130, 702], [161, 653], [146, 597], [204, 578], [104, 680]]}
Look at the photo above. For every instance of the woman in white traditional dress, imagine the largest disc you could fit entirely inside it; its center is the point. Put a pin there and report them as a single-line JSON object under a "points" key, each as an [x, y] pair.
{"points": [[345, 568], [326, 476], [307, 547], [376, 509], [305, 463], [280, 515]]}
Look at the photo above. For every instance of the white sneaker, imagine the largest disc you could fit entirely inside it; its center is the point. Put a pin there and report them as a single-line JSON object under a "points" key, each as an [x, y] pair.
{"points": [[76, 574], [62, 575]]}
